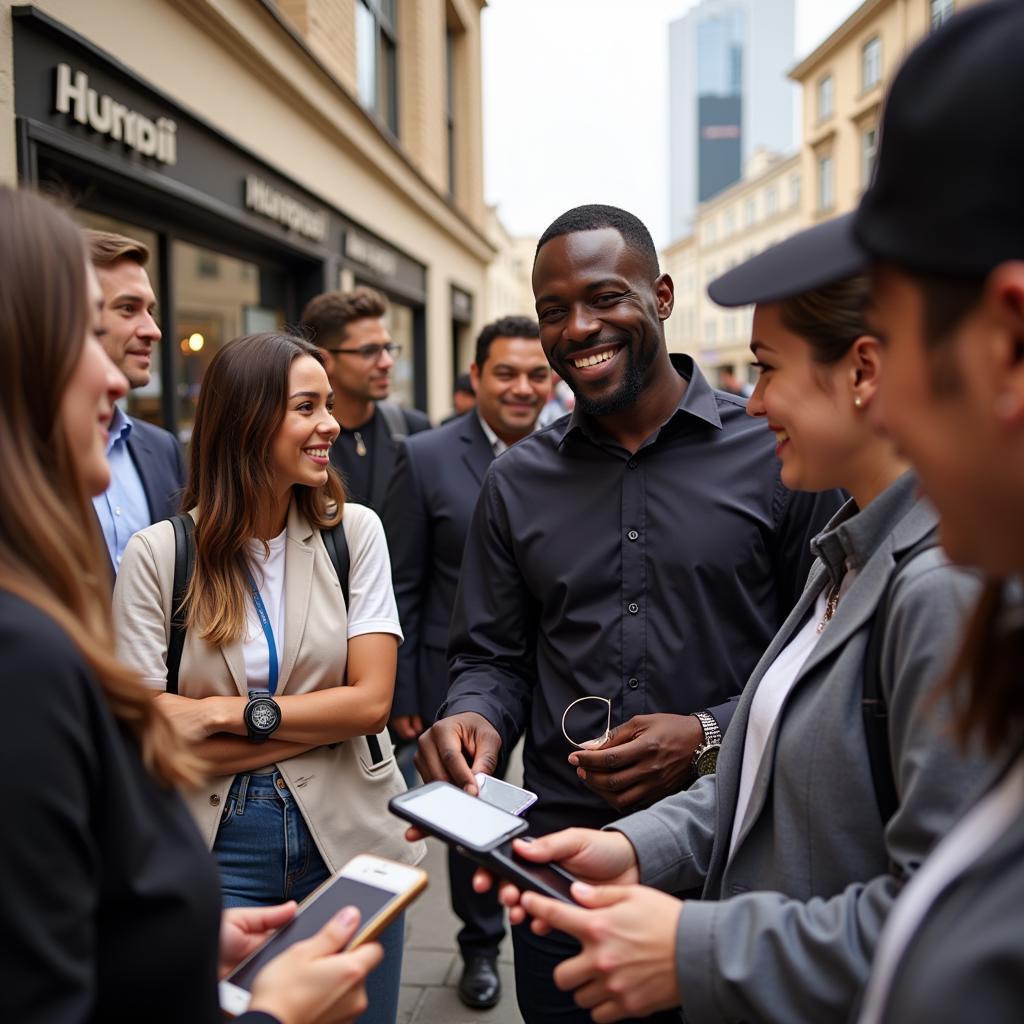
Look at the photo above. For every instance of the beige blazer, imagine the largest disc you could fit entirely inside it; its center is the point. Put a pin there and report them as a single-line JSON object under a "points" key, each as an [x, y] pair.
{"points": [[341, 793]]}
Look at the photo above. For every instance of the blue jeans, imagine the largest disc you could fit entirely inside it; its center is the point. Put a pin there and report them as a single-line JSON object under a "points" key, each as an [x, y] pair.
{"points": [[267, 855]]}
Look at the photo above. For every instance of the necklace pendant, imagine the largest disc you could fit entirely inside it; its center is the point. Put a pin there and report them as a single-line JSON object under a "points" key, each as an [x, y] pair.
{"points": [[360, 446]]}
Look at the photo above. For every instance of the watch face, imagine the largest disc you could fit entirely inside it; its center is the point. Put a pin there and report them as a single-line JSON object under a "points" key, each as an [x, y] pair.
{"points": [[264, 716], [707, 760]]}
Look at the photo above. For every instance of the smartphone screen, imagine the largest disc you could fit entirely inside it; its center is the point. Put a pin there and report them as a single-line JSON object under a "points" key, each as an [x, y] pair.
{"points": [[467, 818], [503, 794], [343, 892]]}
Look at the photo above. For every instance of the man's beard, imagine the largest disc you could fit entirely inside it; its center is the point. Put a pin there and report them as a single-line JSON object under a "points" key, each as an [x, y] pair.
{"points": [[625, 395]]}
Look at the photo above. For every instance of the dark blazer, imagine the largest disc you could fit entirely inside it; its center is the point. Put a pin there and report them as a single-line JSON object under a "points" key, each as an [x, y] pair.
{"points": [[385, 452], [156, 454], [426, 515], [109, 902]]}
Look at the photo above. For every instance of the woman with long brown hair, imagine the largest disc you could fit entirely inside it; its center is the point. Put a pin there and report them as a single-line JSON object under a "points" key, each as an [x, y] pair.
{"points": [[283, 685], [108, 901]]}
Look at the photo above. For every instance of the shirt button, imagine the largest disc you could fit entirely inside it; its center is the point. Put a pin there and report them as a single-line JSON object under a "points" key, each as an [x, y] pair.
{"points": [[632, 535], [117, 511], [214, 800], [632, 682], [632, 463], [633, 607]]}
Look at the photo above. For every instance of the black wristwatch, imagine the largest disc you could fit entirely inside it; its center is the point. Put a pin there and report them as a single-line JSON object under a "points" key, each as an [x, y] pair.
{"points": [[705, 757], [262, 716]]}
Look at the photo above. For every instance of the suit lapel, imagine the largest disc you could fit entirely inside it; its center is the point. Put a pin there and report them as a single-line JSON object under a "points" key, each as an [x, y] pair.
{"points": [[384, 453], [298, 582], [856, 608], [235, 660], [477, 453], [729, 769], [142, 459]]}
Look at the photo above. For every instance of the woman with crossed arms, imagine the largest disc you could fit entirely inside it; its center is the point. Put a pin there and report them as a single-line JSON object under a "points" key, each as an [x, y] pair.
{"points": [[787, 840], [281, 686]]}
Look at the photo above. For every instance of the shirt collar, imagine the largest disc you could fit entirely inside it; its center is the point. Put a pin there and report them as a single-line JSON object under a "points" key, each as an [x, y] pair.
{"points": [[119, 429], [853, 535], [698, 401], [496, 443]]}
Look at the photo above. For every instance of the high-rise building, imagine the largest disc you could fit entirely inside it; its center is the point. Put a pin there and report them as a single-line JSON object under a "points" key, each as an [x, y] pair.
{"points": [[728, 95]]}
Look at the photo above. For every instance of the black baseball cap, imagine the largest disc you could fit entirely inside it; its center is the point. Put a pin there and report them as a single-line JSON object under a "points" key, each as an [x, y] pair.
{"points": [[948, 193]]}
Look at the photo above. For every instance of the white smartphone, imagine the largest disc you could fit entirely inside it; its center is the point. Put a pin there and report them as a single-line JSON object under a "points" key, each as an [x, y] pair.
{"points": [[379, 888], [503, 794]]}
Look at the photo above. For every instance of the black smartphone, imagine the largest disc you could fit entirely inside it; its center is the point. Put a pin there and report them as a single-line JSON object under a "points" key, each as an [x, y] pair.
{"points": [[482, 832]]}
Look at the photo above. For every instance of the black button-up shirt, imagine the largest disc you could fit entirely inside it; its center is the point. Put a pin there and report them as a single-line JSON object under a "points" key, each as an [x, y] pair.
{"points": [[655, 579]]}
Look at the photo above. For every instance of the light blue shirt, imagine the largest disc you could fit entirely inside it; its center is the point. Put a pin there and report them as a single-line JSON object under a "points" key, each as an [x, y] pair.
{"points": [[122, 508]]}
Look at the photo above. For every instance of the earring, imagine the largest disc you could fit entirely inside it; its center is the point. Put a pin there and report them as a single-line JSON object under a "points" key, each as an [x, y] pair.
{"points": [[857, 403]]}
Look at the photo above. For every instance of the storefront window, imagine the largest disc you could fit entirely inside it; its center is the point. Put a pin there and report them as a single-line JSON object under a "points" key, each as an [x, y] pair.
{"points": [[144, 402], [399, 321], [217, 298]]}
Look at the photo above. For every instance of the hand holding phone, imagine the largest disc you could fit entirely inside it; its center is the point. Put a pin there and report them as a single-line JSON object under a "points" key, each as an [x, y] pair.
{"points": [[379, 889], [482, 832]]}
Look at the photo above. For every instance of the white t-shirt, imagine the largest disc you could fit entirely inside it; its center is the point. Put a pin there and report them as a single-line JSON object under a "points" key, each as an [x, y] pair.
{"points": [[771, 694], [268, 572]]}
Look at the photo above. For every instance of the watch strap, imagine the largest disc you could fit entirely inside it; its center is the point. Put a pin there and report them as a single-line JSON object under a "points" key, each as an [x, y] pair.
{"points": [[712, 731]]}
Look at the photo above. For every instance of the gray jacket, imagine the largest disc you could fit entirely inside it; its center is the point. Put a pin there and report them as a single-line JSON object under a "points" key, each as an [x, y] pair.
{"points": [[966, 960], [786, 927]]}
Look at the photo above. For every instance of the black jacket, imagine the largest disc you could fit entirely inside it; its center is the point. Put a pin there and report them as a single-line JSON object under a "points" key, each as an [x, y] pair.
{"points": [[109, 901], [429, 505]]}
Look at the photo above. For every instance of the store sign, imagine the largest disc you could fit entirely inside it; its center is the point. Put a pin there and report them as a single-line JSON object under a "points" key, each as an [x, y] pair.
{"points": [[106, 116], [380, 259], [268, 201]]}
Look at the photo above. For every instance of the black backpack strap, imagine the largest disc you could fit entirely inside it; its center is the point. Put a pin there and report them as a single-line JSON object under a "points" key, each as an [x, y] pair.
{"points": [[873, 706], [394, 419], [184, 565], [337, 551]]}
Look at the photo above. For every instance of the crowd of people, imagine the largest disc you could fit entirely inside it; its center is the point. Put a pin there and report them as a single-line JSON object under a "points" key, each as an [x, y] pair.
{"points": [[764, 652]]}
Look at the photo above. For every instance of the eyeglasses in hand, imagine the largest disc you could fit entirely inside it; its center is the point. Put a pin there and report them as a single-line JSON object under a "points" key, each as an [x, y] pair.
{"points": [[579, 721], [371, 353]]}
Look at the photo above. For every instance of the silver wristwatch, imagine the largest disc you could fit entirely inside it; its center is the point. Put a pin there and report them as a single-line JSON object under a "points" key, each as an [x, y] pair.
{"points": [[705, 757]]}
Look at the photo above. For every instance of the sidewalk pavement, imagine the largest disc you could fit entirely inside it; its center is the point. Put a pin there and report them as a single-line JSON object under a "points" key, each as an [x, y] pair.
{"points": [[431, 964]]}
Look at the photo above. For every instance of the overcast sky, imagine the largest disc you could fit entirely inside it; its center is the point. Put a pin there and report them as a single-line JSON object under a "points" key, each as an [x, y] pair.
{"points": [[576, 103]]}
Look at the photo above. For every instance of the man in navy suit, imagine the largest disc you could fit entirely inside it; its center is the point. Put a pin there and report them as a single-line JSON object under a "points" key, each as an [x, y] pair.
{"points": [[426, 514], [147, 473]]}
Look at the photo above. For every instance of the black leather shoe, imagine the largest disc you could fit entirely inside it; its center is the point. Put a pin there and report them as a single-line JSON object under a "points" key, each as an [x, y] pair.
{"points": [[480, 986]]}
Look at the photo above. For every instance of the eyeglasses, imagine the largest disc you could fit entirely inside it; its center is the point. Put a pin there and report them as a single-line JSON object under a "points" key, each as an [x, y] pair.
{"points": [[579, 719], [370, 352]]}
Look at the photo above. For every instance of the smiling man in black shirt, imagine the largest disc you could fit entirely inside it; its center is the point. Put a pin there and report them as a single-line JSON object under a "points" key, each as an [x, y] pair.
{"points": [[642, 550]]}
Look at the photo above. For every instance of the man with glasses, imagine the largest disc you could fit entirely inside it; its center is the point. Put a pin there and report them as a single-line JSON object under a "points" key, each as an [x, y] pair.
{"points": [[349, 329]]}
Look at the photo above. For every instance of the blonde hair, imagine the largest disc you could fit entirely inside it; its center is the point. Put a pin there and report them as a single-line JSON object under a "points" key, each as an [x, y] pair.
{"points": [[108, 247]]}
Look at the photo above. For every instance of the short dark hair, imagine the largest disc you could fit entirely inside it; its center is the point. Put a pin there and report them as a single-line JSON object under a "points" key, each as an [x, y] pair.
{"points": [[946, 302], [506, 327], [463, 383], [596, 216], [331, 312]]}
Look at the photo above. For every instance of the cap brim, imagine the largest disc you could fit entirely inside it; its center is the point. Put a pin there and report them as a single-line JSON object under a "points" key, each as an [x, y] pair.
{"points": [[810, 259]]}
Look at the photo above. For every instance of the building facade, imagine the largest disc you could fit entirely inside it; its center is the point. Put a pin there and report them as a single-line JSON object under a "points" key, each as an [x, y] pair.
{"points": [[728, 96], [757, 212], [843, 83], [265, 152]]}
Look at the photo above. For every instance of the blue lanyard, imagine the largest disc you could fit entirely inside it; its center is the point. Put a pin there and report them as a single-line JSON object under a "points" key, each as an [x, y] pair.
{"points": [[261, 611]]}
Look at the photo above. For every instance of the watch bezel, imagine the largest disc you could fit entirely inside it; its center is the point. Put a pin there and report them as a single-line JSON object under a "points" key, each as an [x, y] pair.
{"points": [[700, 755], [257, 733]]}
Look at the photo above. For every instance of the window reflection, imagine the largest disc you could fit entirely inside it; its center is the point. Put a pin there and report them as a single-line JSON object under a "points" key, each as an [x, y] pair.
{"points": [[217, 298]]}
